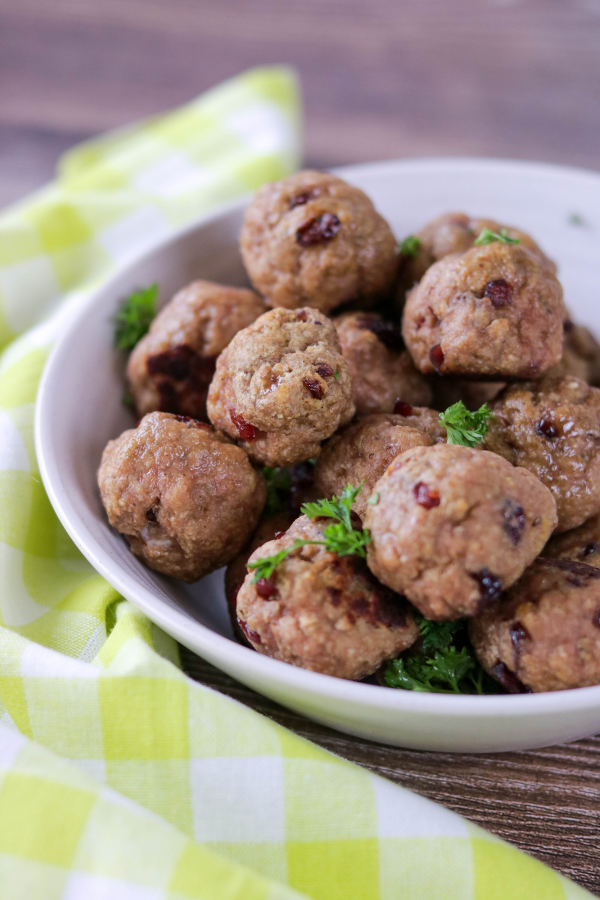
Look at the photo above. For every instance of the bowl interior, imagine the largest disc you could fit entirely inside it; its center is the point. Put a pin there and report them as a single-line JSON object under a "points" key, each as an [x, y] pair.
{"points": [[80, 407]]}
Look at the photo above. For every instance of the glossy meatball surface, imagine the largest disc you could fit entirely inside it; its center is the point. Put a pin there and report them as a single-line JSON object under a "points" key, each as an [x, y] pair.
{"points": [[382, 370], [493, 312], [184, 496], [454, 526], [545, 634], [172, 366], [314, 240], [282, 386], [323, 612], [552, 428], [362, 452]]}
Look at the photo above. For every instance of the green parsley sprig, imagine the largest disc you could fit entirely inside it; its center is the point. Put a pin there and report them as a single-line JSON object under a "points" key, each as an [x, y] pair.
{"points": [[490, 237], [339, 537], [279, 482], [134, 317], [410, 246], [465, 427]]}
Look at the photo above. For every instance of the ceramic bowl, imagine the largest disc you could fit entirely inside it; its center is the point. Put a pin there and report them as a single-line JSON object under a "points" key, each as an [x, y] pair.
{"points": [[79, 409]]}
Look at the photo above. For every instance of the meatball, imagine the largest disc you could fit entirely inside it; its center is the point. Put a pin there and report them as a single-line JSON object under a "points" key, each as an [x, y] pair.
{"points": [[313, 240], [321, 611], [362, 453], [382, 370], [581, 544], [172, 366], [456, 233], [545, 634], [282, 386], [493, 312], [552, 428], [184, 496], [453, 527], [447, 391], [268, 528]]}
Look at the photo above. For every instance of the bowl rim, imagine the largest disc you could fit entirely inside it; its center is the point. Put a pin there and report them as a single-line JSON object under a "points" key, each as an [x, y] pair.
{"points": [[178, 623]]}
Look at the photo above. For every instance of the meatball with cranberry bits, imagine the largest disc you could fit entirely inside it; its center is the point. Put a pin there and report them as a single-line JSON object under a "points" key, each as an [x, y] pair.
{"points": [[282, 386], [362, 452], [313, 240], [552, 428], [382, 370], [453, 526], [491, 313], [184, 496], [321, 611], [172, 366], [545, 634]]}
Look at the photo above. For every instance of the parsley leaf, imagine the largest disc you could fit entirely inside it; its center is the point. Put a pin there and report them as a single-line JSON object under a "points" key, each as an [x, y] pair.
{"points": [[464, 427], [133, 319], [410, 246], [491, 237], [279, 482]]}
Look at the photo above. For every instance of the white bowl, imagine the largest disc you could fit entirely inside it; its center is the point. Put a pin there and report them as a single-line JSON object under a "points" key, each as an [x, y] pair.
{"points": [[79, 409]]}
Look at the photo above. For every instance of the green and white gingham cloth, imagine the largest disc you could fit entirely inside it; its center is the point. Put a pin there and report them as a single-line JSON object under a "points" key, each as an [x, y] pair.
{"points": [[121, 778]]}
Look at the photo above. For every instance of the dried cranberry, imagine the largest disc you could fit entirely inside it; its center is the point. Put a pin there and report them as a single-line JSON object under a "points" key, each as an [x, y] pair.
{"points": [[436, 356], [596, 618], [509, 680], [278, 534], [246, 431], [302, 316], [318, 230], [193, 423], [518, 633], [324, 370], [385, 332], [426, 496], [590, 548], [335, 595], [547, 428], [514, 521], [252, 636], [490, 586], [314, 387], [265, 587], [498, 292], [303, 197], [151, 515], [402, 409]]}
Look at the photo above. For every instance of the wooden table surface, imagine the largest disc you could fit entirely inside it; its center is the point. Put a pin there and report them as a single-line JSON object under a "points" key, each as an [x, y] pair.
{"points": [[381, 79]]}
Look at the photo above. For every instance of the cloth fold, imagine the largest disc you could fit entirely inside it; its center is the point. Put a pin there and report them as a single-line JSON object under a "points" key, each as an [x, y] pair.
{"points": [[119, 776]]}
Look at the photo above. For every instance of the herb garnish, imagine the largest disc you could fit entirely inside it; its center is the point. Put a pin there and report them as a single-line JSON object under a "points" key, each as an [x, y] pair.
{"points": [[339, 537], [464, 427], [441, 665], [336, 375], [490, 237], [410, 246], [133, 319], [279, 482]]}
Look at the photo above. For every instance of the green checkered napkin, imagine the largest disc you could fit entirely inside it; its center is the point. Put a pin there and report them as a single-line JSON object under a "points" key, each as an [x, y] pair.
{"points": [[120, 778]]}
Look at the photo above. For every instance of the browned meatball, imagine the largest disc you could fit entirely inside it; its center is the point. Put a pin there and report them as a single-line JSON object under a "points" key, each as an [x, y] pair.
{"points": [[172, 366], [492, 312], [185, 497], [581, 544], [447, 391], [362, 453], [421, 418], [321, 611], [282, 386], [382, 370], [454, 526], [267, 530], [545, 634], [456, 233], [552, 428], [313, 240]]}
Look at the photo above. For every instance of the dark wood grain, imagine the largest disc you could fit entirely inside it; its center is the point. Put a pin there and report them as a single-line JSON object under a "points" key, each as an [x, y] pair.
{"points": [[381, 79]]}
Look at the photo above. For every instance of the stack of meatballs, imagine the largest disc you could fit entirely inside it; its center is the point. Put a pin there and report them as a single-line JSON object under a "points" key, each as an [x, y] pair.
{"points": [[334, 370]]}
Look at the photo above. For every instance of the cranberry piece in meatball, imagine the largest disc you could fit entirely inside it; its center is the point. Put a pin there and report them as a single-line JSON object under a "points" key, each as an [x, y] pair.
{"points": [[545, 634], [552, 428], [282, 386], [172, 366], [363, 452], [313, 240], [327, 613], [382, 370], [183, 495], [491, 313], [453, 527]]}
